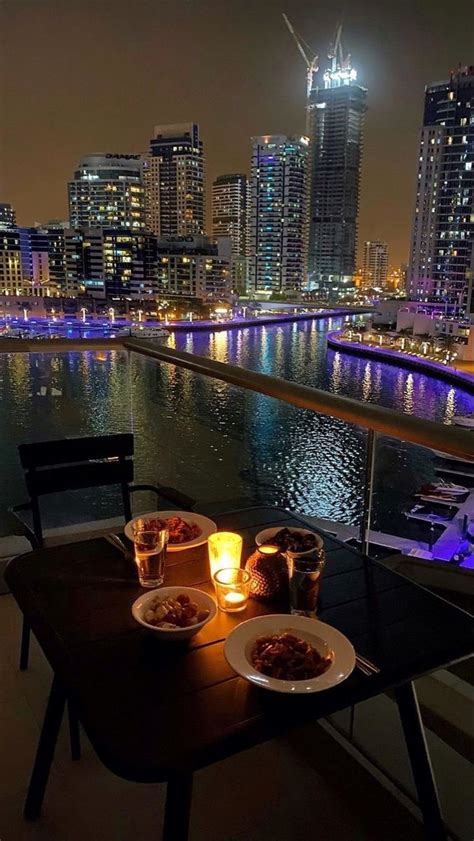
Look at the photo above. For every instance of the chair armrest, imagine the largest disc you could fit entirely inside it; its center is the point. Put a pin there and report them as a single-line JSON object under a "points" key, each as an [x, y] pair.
{"points": [[26, 531], [183, 501]]}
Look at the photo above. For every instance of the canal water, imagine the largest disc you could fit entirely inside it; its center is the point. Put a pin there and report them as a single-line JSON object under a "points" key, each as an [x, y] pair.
{"points": [[221, 444]]}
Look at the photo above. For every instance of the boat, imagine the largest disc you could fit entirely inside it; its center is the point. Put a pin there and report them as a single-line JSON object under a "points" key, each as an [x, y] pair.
{"points": [[144, 332], [466, 421], [452, 458], [442, 490]]}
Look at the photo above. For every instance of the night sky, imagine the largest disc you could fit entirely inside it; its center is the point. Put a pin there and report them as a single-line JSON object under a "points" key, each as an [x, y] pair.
{"points": [[81, 76]]}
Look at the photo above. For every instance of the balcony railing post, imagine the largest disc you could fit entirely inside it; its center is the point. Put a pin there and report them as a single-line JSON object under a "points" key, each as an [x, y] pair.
{"points": [[368, 491]]}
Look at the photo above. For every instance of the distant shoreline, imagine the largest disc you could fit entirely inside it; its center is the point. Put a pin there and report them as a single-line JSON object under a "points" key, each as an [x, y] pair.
{"points": [[395, 357]]}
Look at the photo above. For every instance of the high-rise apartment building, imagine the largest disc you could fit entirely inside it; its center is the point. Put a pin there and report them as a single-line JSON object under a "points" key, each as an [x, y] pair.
{"points": [[113, 262], [43, 260], [277, 224], [230, 218], [173, 177], [192, 267], [375, 270], [336, 109], [441, 259], [11, 280], [107, 190], [7, 216]]}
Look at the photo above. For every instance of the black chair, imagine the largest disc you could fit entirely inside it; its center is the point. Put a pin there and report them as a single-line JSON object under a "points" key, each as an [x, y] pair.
{"points": [[76, 463]]}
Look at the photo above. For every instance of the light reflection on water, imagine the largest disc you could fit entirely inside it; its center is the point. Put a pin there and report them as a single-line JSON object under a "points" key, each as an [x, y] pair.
{"points": [[218, 443]]}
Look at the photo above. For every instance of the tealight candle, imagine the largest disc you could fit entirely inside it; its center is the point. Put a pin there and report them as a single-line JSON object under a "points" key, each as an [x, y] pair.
{"points": [[232, 589], [225, 550]]}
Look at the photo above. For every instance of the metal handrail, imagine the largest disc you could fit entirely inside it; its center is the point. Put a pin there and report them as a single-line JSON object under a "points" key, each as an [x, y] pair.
{"points": [[450, 440]]}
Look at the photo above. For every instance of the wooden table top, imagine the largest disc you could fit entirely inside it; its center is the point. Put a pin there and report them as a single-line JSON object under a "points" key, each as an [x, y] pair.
{"points": [[150, 708]]}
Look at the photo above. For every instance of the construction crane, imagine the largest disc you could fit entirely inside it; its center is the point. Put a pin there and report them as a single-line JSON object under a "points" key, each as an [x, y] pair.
{"points": [[312, 64]]}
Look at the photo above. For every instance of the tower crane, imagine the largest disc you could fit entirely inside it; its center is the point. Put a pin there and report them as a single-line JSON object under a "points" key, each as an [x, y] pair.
{"points": [[312, 64]]}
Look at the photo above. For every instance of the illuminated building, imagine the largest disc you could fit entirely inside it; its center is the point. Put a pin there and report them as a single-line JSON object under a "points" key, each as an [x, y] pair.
{"points": [[230, 218], [43, 260], [336, 109], [107, 191], [7, 216], [277, 218], [441, 259], [11, 281], [192, 267], [173, 177], [110, 262], [374, 273]]}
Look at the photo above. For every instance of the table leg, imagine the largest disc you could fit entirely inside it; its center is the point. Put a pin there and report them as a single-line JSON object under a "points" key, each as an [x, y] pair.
{"points": [[45, 751], [74, 731], [25, 645], [420, 762], [178, 807]]}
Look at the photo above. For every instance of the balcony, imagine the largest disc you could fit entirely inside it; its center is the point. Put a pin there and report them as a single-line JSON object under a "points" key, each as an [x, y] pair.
{"points": [[198, 426]]}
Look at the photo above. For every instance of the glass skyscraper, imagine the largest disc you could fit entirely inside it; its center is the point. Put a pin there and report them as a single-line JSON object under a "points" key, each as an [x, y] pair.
{"points": [[277, 219], [441, 259], [336, 109]]}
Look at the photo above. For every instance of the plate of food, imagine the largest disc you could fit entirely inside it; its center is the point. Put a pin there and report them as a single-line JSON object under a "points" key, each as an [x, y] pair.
{"points": [[174, 613], [290, 539], [186, 529], [291, 654]]}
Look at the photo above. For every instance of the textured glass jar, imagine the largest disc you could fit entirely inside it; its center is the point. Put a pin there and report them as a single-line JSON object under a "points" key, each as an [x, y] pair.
{"points": [[268, 573]]}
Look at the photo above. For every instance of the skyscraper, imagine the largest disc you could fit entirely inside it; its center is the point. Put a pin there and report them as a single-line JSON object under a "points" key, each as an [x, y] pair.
{"points": [[336, 108], [374, 273], [43, 260], [11, 281], [107, 191], [230, 218], [173, 176], [277, 225], [441, 259]]}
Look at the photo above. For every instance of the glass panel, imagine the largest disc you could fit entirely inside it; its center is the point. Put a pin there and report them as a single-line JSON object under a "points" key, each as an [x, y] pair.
{"points": [[45, 396], [226, 446]]}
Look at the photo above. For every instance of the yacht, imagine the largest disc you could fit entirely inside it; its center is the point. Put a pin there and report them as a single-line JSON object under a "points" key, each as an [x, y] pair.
{"points": [[145, 332], [466, 421]]}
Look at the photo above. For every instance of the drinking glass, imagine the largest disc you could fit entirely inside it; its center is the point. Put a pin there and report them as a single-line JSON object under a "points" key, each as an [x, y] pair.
{"points": [[304, 574], [150, 553]]}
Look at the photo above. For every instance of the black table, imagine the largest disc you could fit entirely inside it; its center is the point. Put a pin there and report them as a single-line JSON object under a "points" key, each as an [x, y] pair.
{"points": [[156, 712]]}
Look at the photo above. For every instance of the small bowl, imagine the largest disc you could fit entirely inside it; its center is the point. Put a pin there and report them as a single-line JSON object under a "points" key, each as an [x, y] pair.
{"points": [[267, 536], [176, 634]]}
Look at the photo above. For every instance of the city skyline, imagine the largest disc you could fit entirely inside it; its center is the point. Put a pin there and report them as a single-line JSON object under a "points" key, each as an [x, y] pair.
{"points": [[234, 83]]}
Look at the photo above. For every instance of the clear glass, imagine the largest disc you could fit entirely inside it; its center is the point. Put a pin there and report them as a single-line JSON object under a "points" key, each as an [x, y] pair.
{"points": [[150, 555], [225, 551], [304, 573], [232, 589]]}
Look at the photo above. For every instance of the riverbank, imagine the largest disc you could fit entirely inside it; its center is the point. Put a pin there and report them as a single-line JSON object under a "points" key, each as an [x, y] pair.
{"points": [[256, 321], [456, 376]]}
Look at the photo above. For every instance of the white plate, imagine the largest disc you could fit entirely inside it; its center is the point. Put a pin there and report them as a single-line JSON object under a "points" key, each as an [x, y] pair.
{"points": [[206, 525], [173, 635], [324, 638], [267, 535]]}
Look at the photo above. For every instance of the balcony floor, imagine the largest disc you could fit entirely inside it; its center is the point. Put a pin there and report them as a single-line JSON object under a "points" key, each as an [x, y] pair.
{"points": [[300, 787]]}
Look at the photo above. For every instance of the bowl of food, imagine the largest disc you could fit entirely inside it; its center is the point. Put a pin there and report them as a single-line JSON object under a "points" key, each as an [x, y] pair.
{"points": [[186, 529], [294, 540], [174, 613], [289, 654]]}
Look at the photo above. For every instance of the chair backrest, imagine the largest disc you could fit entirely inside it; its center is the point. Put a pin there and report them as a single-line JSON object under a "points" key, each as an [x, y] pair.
{"points": [[75, 463]]}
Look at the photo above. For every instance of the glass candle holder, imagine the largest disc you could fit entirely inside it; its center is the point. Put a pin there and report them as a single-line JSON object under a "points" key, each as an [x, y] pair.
{"points": [[232, 589], [225, 550]]}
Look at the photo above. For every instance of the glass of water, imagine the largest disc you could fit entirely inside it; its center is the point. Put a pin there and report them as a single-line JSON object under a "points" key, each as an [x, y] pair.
{"points": [[305, 570], [150, 553]]}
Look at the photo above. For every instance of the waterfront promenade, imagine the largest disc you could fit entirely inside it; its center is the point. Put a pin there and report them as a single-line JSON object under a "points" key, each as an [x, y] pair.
{"points": [[457, 372]]}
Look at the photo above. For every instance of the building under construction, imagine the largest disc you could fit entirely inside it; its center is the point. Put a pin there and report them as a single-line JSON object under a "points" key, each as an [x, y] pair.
{"points": [[336, 106]]}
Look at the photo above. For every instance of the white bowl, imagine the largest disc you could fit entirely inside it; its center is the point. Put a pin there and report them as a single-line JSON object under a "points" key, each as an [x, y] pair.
{"points": [[240, 642], [267, 535], [204, 601]]}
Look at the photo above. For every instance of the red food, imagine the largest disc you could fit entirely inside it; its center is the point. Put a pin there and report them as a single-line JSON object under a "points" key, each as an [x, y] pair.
{"points": [[287, 657], [179, 530]]}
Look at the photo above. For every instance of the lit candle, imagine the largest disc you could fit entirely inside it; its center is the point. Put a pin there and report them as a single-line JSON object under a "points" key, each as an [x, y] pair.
{"points": [[225, 550], [234, 600]]}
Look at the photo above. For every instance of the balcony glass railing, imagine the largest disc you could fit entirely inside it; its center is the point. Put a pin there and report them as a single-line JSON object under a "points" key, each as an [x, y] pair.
{"points": [[230, 437]]}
